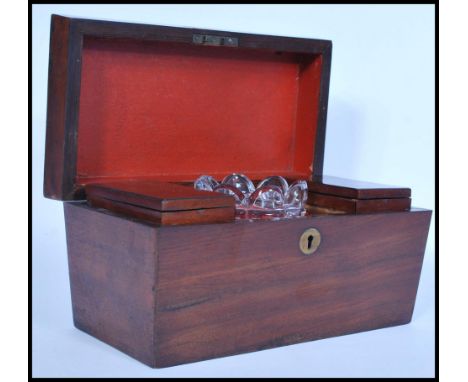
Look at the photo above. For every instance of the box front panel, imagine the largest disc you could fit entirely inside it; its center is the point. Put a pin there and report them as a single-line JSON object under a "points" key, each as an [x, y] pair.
{"points": [[231, 288]]}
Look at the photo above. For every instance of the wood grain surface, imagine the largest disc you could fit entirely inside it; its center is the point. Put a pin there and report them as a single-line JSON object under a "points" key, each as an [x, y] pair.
{"points": [[350, 188], [56, 108], [194, 216], [358, 206], [172, 295], [159, 196], [252, 289], [112, 263]]}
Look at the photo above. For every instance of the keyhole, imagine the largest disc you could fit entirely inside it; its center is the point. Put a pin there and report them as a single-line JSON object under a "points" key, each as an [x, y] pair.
{"points": [[309, 241]]}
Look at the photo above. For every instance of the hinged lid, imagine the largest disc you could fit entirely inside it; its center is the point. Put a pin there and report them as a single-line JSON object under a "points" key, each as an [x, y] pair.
{"points": [[132, 101]]}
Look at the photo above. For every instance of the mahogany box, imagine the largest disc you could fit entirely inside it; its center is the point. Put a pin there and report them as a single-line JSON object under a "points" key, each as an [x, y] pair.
{"points": [[168, 274]]}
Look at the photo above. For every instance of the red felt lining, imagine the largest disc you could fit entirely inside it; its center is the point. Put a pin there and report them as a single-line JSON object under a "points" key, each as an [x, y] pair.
{"points": [[174, 111]]}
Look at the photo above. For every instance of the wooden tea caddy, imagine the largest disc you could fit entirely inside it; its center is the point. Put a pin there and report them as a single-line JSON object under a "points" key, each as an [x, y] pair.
{"points": [[165, 273]]}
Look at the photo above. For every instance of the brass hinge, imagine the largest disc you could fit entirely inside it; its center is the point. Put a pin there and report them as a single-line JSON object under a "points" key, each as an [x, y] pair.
{"points": [[204, 39]]}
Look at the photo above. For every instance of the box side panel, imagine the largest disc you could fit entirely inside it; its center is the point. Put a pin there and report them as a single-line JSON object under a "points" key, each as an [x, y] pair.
{"points": [[112, 276], [232, 288]]}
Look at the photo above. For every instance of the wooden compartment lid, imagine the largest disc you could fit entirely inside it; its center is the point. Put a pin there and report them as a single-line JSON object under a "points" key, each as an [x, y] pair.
{"points": [[352, 196], [133, 101], [161, 202], [355, 189]]}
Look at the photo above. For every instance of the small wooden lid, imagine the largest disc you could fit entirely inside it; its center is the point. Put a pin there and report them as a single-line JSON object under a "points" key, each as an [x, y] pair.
{"points": [[159, 196], [348, 188]]}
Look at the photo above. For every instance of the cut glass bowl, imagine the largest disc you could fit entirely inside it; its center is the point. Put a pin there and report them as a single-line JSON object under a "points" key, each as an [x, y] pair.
{"points": [[273, 196]]}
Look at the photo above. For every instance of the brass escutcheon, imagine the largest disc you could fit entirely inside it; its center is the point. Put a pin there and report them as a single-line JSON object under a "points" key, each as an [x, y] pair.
{"points": [[309, 241]]}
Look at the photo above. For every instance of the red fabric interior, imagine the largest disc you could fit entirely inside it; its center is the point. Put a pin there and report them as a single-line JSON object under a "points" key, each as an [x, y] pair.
{"points": [[175, 111]]}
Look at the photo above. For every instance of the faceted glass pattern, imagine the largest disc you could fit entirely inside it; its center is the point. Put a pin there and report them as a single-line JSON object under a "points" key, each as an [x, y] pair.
{"points": [[206, 183], [273, 196], [241, 182]]}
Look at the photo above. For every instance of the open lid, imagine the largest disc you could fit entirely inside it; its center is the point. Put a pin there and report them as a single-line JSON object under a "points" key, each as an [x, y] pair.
{"points": [[133, 101]]}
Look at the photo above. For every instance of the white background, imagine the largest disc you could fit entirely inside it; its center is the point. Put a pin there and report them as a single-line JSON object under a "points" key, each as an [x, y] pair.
{"points": [[380, 128]]}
